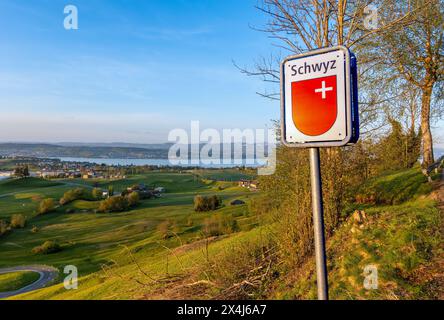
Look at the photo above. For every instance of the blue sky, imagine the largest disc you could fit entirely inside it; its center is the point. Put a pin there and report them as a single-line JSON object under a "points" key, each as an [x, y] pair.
{"points": [[133, 70]]}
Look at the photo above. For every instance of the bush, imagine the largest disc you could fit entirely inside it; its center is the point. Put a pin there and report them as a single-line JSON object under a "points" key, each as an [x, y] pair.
{"points": [[110, 191], [18, 221], [4, 227], [164, 229], [114, 204], [47, 247], [133, 199], [96, 193], [46, 206], [219, 224], [202, 204], [71, 195], [246, 261]]}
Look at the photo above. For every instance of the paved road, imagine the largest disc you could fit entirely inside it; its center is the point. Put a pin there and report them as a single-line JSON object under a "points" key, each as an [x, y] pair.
{"points": [[47, 275]]}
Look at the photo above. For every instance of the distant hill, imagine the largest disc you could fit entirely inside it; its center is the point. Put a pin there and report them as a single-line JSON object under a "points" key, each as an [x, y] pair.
{"points": [[152, 146], [42, 150], [95, 150]]}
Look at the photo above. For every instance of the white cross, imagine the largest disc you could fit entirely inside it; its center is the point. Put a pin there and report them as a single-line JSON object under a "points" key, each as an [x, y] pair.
{"points": [[323, 90]]}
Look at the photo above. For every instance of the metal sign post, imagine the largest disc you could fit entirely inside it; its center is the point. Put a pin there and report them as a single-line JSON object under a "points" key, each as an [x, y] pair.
{"points": [[318, 224], [319, 108]]}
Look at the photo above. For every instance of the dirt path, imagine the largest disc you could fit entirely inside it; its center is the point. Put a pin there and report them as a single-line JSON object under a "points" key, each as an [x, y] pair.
{"points": [[47, 275]]}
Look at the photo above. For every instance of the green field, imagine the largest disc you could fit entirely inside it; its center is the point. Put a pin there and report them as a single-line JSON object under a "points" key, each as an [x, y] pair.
{"points": [[91, 240], [16, 280], [125, 256]]}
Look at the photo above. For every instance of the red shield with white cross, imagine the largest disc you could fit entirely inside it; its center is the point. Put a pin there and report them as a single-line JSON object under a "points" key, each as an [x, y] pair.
{"points": [[314, 105]]}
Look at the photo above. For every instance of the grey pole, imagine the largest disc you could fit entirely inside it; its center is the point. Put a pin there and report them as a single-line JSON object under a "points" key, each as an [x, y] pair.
{"points": [[318, 223]]}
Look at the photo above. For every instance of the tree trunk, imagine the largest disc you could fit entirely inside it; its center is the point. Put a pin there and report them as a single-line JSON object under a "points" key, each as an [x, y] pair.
{"points": [[427, 142]]}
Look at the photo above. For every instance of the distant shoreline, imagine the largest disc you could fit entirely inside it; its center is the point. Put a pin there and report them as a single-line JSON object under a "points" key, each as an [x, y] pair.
{"points": [[156, 162]]}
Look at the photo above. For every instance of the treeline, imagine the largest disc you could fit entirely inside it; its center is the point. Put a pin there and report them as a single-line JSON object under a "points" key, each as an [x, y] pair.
{"points": [[112, 203], [206, 203]]}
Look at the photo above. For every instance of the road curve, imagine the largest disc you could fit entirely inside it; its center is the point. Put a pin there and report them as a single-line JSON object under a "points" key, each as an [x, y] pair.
{"points": [[47, 275]]}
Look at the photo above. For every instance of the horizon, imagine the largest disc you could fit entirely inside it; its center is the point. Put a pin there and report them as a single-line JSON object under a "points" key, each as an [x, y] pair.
{"points": [[111, 81]]}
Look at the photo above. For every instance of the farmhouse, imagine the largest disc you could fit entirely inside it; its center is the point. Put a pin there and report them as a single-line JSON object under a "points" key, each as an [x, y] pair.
{"points": [[250, 184]]}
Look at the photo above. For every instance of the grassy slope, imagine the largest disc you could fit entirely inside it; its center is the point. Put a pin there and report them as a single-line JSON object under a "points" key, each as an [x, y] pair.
{"points": [[24, 195], [396, 188], [16, 280], [91, 240], [16, 185], [401, 240]]}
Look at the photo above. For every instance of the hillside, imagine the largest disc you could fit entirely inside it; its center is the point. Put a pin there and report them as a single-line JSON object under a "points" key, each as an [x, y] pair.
{"points": [[93, 241], [82, 151], [106, 150], [403, 241]]}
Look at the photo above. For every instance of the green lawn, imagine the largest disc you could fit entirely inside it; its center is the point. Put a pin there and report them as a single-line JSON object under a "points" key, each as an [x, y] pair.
{"points": [[16, 280], [15, 185], [172, 182], [90, 241], [396, 187], [123, 256], [226, 174]]}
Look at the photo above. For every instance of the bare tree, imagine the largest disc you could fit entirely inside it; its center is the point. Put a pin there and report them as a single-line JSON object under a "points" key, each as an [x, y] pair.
{"points": [[416, 53], [301, 25]]}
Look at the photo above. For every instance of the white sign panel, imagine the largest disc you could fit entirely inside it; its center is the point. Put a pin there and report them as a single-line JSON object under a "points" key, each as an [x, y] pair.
{"points": [[316, 98]]}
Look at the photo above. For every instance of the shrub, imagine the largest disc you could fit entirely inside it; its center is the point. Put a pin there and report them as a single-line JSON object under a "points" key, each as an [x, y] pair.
{"points": [[198, 203], [119, 203], [211, 227], [164, 229], [190, 222], [96, 193], [206, 203], [18, 221], [114, 204], [247, 261], [110, 191], [214, 202], [46, 206], [219, 224], [4, 227], [71, 195], [47, 247], [133, 199]]}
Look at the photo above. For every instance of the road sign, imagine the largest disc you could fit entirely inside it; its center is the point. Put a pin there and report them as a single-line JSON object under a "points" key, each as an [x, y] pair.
{"points": [[319, 106], [317, 97]]}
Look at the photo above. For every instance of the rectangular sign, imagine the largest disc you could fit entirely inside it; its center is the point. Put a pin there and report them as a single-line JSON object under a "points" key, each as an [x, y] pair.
{"points": [[316, 97]]}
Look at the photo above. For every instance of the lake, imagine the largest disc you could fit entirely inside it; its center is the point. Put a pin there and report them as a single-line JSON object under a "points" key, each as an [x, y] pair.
{"points": [[157, 162]]}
